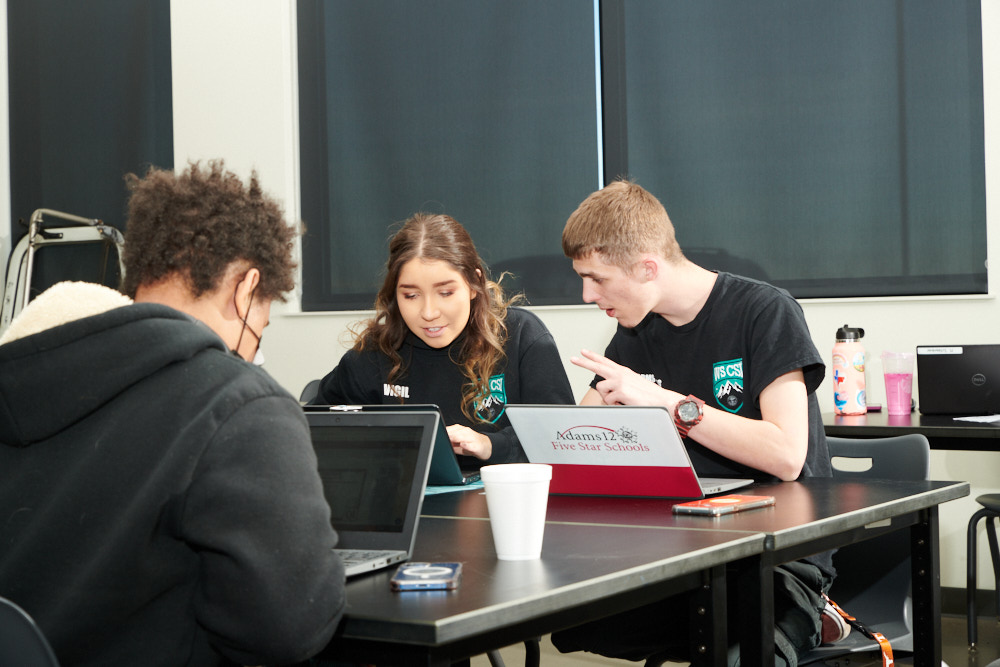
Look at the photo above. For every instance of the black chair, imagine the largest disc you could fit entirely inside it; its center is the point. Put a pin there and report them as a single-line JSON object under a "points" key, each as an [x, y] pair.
{"points": [[873, 576], [21, 642], [990, 512], [309, 392]]}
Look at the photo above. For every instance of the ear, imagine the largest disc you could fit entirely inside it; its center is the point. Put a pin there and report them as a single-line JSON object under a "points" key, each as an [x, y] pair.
{"points": [[479, 274], [244, 291], [650, 268]]}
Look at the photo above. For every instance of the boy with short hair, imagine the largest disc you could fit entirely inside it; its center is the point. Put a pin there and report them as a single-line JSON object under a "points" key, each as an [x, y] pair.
{"points": [[732, 359]]}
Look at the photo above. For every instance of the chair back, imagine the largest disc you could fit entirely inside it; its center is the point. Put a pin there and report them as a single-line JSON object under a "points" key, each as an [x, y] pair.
{"points": [[309, 392], [21, 641], [902, 457], [873, 576]]}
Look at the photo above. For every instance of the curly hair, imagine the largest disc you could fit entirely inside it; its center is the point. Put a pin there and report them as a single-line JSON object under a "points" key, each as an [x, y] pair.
{"points": [[199, 223], [481, 349]]}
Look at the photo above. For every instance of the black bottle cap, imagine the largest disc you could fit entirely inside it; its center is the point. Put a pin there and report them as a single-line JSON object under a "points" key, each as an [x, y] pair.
{"points": [[846, 334]]}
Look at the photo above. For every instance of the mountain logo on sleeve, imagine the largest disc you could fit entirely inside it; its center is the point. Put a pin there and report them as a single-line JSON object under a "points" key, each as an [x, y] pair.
{"points": [[728, 384]]}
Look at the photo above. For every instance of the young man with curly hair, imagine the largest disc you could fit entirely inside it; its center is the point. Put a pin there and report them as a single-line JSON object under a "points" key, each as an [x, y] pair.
{"points": [[160, 498]]}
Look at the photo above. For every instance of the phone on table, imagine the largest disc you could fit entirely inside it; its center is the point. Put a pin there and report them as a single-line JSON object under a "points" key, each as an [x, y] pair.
{"points": [[426, 577], [720, 505]]}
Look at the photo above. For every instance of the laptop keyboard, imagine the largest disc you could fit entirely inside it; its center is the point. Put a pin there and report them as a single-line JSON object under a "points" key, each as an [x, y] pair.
{"points": [[353, 556]]}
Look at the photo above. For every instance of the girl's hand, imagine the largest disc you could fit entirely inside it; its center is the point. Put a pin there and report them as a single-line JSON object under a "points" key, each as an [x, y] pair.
{"points": [[468, 442]]}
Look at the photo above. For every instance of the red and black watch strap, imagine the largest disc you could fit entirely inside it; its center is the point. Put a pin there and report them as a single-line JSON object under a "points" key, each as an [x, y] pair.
{"points": [[685, 425]]}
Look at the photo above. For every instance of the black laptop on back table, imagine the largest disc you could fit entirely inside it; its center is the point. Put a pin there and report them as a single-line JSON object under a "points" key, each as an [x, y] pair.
{"points": [[958, 379]]}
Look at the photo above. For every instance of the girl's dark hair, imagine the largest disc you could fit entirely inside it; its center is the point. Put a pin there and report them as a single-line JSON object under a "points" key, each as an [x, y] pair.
{"points": [[481, 349]]}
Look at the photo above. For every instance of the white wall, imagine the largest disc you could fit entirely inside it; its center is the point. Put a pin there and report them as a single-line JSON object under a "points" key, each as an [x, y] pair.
{"points": [[235, 97]]}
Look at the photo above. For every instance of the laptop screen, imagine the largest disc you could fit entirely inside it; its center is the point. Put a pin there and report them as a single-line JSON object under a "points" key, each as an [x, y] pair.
{"points": [[366, 473], [445, 466], [374, 471]]}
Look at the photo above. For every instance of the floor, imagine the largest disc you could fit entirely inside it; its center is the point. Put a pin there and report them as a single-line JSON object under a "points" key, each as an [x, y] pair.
{"points": [[955, 652]]}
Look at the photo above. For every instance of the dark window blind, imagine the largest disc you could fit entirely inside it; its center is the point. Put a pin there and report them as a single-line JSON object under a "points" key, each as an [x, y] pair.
{"points": [[485, 111], [90, 100], [833, 147]]}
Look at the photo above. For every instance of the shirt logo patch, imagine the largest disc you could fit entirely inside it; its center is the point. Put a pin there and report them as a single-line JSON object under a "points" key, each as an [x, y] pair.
{"points": [[728, 384], [492, 407]]}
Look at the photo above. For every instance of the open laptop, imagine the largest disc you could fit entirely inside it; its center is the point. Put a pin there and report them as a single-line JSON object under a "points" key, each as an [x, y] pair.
{"points": [[445, 470], [612, 451], [374, 469], [958, 379]]}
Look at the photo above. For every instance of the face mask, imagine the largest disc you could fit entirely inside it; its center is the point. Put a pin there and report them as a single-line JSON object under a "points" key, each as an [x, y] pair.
{"points": [[258, 357]]}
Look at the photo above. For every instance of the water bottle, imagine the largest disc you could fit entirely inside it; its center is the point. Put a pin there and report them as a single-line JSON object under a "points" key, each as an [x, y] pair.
{"points": [[849, 372]]}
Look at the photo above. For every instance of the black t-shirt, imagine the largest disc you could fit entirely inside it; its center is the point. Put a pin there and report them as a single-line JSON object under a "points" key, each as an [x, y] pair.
{"points": [[748, 334], [531, 373]]}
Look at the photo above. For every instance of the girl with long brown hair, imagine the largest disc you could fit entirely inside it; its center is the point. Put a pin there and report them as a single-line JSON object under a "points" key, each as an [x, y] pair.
{"points": [[444, 333]]}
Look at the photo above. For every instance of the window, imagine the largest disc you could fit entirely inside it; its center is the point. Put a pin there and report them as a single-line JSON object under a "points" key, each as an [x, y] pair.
{"points": [[485, 111], [90, 100], [832, 147]]}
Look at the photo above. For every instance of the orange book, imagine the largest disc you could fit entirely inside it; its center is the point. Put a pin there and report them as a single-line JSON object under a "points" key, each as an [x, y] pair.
{"points": [[720, 505]]}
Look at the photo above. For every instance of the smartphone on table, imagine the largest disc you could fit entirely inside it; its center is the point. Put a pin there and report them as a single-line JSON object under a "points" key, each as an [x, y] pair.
{"points": [[426, 577]]}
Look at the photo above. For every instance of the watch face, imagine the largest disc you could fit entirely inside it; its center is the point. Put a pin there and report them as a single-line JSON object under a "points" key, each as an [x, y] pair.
{"points": [[687, 411]]}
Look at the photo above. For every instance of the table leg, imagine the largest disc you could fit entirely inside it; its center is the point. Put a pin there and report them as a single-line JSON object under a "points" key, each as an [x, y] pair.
{"points": [[926, 586], [755, 578], [709, 640]]}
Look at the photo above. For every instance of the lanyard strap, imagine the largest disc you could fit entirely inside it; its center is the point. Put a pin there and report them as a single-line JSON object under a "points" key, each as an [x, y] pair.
{"points": [[883, 643]]}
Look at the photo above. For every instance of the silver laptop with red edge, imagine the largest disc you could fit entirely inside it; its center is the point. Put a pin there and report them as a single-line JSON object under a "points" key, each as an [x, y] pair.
{"points": [[612, 451]]}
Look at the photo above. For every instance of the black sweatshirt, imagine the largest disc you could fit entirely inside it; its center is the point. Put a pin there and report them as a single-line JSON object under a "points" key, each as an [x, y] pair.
{"points": [[531, 373], [159, 499]]}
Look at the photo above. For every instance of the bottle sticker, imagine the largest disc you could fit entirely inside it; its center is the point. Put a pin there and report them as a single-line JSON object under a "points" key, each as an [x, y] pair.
{"points": [[859, 362]]}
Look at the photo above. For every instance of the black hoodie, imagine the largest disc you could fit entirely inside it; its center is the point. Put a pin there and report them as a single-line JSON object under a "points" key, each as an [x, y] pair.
{"points": [[159, 500]]}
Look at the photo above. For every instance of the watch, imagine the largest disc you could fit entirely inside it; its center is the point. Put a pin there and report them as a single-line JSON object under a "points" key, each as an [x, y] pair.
{"points": [[688, 414]]}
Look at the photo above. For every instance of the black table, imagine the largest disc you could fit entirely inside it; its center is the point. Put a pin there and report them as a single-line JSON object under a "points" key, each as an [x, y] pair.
{"points": [[585, 573], [605, 555], [943, 432]]}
